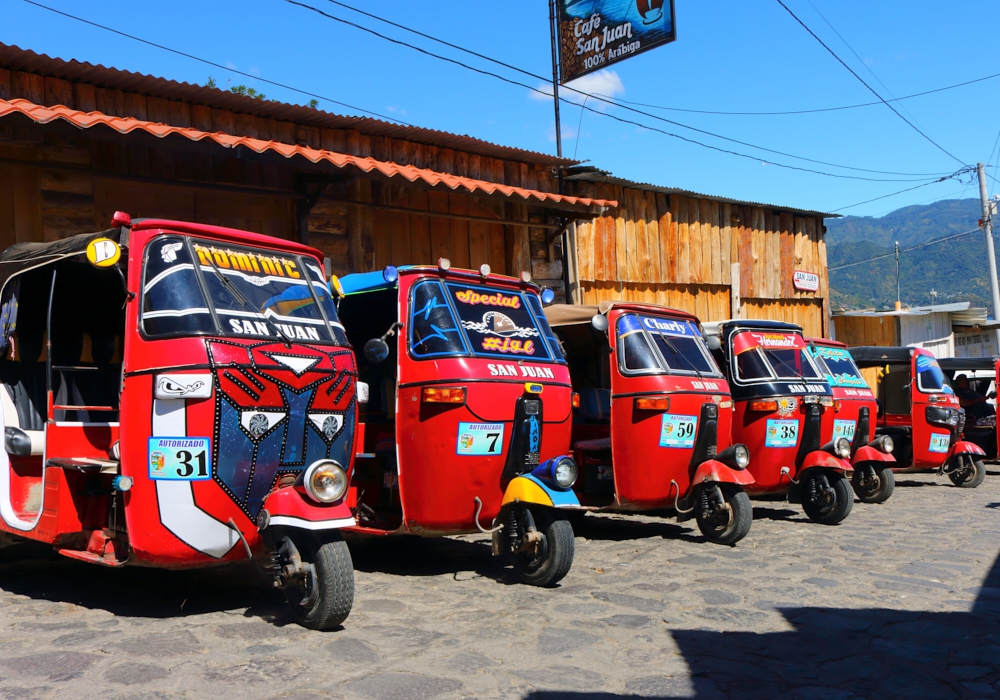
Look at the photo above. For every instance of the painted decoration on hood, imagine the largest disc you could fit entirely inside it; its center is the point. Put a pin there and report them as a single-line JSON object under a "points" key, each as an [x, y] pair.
{"points": [[769, 340]]}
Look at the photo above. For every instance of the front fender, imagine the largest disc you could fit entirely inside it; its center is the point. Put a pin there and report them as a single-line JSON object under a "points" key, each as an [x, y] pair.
{"points": [[289, 508], [714, 470], [822, 458], [870, 454], [528, 488], [964, 447]]}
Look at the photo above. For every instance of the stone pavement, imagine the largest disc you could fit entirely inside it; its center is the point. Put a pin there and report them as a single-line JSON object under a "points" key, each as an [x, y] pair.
{"points": [[902, 600]]}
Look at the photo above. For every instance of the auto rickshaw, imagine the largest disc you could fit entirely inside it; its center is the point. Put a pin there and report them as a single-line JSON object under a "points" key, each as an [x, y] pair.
{"points": [[983, 374], [177, 395], [653, 426], [854, 409], [784, 415], [920, 412], [468, 425]]}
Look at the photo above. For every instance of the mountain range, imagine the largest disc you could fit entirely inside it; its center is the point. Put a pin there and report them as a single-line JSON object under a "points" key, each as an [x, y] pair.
{"points": [[956, 269]]}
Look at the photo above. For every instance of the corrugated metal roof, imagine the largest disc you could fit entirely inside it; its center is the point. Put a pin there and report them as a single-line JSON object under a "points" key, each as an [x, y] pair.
{"points": [[959, 308], [125, 125], [590, 174], [16, 58]]}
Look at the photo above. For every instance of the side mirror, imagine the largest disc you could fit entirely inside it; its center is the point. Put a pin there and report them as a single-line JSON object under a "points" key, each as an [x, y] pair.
{"points": [[376, 351], [714, 342], [599, 323]]}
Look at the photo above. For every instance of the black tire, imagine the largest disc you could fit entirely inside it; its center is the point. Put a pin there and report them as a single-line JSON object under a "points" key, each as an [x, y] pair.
{"points": [[877, 487], [552, 558], [329, 592], [837, 508], [966, 478], [731, 525]]}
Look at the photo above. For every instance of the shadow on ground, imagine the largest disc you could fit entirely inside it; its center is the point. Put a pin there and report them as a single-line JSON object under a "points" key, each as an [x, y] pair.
{"points": [[840, 654], [408, 555]]}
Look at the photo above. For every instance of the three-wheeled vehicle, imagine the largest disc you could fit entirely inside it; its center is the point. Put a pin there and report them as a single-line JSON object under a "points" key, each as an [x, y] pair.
{"points": [[468, 425], [178, 395], [855, 411], [653, 425], [784, 415], [984, 378], [920, 412]]}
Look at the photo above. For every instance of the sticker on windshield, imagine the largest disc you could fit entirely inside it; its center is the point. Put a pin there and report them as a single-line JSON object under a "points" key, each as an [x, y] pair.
{"points": [[480, 438], [844, 429], [180, 458], [782, 433], [677, 431], [939, 442]]}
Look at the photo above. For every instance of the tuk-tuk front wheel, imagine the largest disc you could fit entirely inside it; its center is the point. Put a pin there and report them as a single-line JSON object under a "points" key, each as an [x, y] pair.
{"points": [[873, 483], [724, 513], [322, 596], [967, 472], [827, 497], [541, 545]]}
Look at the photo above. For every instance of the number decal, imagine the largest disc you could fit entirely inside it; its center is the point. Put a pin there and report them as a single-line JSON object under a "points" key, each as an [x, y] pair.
{"points": [[493, 444], [677, 430], [844, 429], [480, 438], [782, 433], [180, 458]]}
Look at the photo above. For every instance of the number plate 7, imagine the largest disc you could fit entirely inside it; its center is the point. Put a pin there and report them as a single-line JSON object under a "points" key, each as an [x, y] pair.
{"points": [[180, 458]]}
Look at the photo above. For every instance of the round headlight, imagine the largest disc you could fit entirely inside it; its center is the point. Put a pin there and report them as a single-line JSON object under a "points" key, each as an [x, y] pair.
{"points": [[564, 473], [742, 456], [883, 443], [325, 481], [843, 448]]}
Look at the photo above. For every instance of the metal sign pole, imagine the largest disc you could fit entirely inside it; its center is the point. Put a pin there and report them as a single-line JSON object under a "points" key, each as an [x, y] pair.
{"points": [[553, 25]]}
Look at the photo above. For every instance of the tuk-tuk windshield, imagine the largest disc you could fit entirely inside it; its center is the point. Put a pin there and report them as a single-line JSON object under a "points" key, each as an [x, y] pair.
{"points": [[930, 378], [248, 291], [450, 318], [838, 367], [765, 355], [653, 344]]}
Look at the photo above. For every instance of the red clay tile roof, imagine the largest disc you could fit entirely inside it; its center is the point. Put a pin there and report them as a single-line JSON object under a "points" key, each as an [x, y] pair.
{"points": [[125, 125]]}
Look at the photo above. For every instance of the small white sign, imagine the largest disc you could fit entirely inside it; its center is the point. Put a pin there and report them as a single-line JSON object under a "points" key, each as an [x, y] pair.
{"points": [[806, 281], [183, 386]]}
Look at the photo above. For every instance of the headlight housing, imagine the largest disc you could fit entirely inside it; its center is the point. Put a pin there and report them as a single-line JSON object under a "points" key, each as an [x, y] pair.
{"points": [[883, 443], [940, 415], [841, 447], [736, 456], [561, 472], [325, 481]]}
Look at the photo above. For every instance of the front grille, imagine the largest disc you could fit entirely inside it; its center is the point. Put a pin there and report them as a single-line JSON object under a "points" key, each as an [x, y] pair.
{"points": [[524, 450], [706, 443], [812, 430], [861, 432]]}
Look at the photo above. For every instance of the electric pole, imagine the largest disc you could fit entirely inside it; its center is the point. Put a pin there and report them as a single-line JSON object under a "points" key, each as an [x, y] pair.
{"points": [[988, 230], [553, 30], [899, 304]]}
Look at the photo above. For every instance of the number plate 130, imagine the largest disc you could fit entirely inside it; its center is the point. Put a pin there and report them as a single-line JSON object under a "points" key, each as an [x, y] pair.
{"points": [[180, 458]]}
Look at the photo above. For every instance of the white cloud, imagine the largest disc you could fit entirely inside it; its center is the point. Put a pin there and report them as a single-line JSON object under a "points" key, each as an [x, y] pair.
{"points": [[604, 82]]}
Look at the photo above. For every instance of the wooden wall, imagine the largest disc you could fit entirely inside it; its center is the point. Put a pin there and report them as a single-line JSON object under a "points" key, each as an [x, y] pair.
{"points": [[707, 302], [866, 330]]}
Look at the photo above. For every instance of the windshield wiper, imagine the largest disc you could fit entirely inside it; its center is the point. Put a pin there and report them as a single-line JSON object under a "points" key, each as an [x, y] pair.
{"points": [[775, 356], [242, 301], [673, 349]]}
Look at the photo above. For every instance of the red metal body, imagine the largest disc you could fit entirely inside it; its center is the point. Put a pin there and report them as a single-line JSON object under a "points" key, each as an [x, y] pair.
{"points": [[411, 477], [177, 524]]}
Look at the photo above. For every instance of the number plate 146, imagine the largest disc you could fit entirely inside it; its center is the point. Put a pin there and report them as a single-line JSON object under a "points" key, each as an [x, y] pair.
{"points": [[180, 458]]}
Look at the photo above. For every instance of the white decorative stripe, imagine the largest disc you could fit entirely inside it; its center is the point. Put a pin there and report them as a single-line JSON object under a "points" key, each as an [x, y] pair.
{"points": [[269, 314], [288, 521], [166, 273], [175, 313]]}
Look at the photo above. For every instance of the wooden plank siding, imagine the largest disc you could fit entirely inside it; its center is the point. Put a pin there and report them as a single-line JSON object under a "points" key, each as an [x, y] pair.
{"points": [[867, 330]]}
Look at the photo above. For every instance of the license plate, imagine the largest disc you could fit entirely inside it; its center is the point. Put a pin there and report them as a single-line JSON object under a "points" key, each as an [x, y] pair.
{"points": [[180, 458], [939, 442], [677, 431], [782, 433], [844, 429], [480, 438]]}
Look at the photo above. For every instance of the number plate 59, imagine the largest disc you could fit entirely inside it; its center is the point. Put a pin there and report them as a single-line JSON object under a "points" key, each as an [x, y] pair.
{"points": [[180, 458]]}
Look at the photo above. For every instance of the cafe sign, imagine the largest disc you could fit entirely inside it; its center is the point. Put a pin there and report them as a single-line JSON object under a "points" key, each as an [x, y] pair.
{"points": [[806, 281]]}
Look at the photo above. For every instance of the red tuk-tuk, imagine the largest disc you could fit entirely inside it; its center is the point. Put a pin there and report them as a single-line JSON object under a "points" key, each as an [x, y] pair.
{"points": [[855, 411], [784, 415], [921, 414], [178, 395], [468, 425], [983, 374], [653, 428]]}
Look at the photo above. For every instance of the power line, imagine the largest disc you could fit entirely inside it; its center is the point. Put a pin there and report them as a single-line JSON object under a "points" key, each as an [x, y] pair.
{"points": [[905, 250], [870, 88], [956, 175], [589, 95], [216, 65]]}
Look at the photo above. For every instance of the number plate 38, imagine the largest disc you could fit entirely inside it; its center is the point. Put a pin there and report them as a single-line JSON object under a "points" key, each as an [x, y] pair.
{"points": [[180, 458]]}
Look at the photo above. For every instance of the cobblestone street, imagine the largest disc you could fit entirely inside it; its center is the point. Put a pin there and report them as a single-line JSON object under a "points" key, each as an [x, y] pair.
{"points": [[903, 600]]}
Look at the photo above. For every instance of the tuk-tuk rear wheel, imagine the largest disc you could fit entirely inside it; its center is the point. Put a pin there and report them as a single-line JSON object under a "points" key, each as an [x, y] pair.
{"points": [[830, 509], [873, 483], [323, 599], [730, 523], [549, 560], [965, 476]]}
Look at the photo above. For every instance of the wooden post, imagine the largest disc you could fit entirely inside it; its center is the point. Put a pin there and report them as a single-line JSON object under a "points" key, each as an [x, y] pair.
{"points": [[734, 292], [359, 226]]}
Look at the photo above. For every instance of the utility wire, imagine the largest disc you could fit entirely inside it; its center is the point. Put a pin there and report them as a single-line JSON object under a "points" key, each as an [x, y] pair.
{"points": [[956, 175], [217, 65], [870, 88], [905, 250], [567, 87]]}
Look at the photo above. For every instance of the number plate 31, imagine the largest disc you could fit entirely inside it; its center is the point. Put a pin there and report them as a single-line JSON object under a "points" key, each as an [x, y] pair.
{"points": [[180, 458]]}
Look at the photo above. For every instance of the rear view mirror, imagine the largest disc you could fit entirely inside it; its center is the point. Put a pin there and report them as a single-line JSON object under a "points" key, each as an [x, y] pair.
{"points": [[376, 351], [600, 323], [714, 342]]}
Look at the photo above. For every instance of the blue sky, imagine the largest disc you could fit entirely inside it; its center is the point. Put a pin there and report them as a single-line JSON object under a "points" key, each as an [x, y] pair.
{"points": [[731, 55]]}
